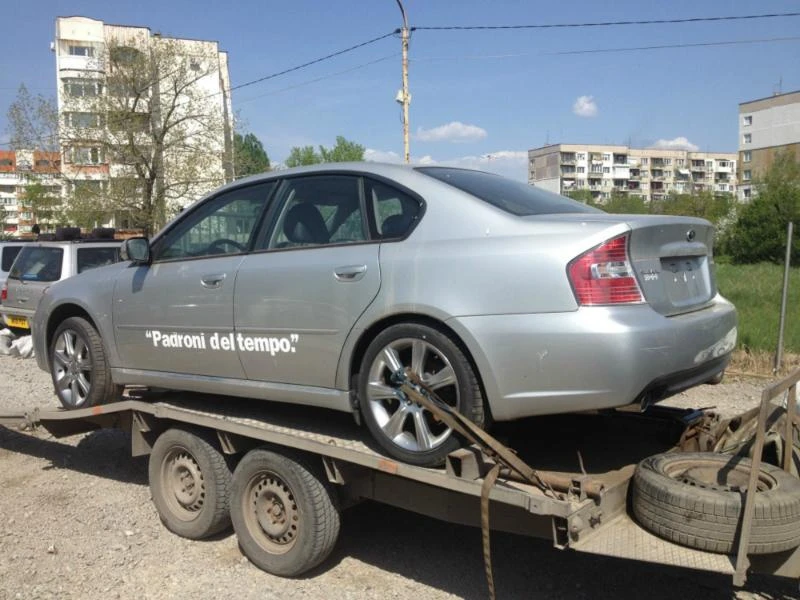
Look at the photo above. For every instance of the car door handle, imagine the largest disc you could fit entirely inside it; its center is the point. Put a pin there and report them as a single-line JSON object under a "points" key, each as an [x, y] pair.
{"points": [[212, 281], [350, 272]]}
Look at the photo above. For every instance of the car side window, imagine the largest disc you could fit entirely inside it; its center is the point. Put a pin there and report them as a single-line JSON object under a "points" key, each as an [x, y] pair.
{"points": [[91, 258], [223, 225], [318, 210], [395, 212]]}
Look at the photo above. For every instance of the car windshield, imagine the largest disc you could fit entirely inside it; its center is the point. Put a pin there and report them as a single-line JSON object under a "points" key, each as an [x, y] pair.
{"points": [[38, 263], [511, 196], [9, 254]]}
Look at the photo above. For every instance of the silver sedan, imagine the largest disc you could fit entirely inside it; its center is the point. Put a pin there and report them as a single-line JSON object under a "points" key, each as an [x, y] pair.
{"points": [[313, 285]]}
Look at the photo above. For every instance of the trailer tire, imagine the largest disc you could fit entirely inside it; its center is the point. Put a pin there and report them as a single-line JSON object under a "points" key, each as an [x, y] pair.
{"points": [[286, 516], [190, 481], [695, 499], [76, 351]]}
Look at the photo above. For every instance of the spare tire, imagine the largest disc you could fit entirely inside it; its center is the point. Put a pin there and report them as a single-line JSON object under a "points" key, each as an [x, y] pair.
{"points": [[695, 499]]}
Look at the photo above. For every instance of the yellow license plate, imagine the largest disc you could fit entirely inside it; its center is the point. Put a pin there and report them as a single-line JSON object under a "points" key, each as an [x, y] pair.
{"points": [[20, 322]]}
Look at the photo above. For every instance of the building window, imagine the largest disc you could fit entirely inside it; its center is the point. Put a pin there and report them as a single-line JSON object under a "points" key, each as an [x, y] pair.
{"points": [[678, 162], [606, 157], [6, 162], [85, 155], [82, 120], [747, 120], [747, 175], [747, 156], [87, 51], [581, 156], [80, 88], [746, 192], [747, 138], [667, 162], [644, 161], [581, 169]]}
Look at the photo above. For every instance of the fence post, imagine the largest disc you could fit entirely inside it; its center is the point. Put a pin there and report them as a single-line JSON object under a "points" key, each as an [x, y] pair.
{"points": [[782, 322]]}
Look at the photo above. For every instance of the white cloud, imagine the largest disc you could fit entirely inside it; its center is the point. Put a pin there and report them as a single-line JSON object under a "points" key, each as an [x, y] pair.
{"points": [[678, 143], [585, 106], [456, 131], [373, 155]]}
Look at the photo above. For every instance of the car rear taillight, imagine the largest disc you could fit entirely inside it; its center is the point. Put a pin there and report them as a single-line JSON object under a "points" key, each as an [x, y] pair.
{"points": [[4, 293], [604, 275]]}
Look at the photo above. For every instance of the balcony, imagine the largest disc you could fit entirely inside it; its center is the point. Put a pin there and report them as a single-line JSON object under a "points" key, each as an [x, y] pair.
{"points": [[80, 63], [595, 175], [568, 161]]}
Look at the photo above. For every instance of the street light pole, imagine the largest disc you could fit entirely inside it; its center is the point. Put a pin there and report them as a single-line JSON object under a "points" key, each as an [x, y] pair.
{"points": [[406, 97]]}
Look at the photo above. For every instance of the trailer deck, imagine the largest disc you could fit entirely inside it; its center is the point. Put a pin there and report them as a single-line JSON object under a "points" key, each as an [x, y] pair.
{"points": [[571, 519]]}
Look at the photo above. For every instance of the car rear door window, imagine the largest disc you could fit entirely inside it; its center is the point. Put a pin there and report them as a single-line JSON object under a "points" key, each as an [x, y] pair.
{"points": [[38, 263], [221, 226], [394, 212], [91, 258], [7, 259], [318, 210]]}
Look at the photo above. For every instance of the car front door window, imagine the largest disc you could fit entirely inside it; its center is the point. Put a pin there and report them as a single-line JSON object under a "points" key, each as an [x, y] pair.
{"points": [[220, 226]]}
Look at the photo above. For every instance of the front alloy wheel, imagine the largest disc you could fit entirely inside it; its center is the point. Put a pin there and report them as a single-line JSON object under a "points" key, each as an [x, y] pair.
{"points": [[78, 365]]}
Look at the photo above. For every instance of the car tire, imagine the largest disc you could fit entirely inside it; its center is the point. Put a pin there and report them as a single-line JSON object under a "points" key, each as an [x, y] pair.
{"points": [[285, 513], [190, 481], [695, 499], [78, 366], [404, 430]]}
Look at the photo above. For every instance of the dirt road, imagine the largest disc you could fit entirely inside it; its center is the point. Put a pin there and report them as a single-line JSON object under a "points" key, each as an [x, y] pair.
{"points": [[76, 521]]}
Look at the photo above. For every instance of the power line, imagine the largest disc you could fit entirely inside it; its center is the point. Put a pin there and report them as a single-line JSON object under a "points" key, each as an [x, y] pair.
{"points": [[608, 50], [311, 62], [321, 78], [606, 23]]}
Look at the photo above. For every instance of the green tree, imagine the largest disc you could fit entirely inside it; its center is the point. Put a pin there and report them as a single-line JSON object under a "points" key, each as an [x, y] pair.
{"points": [[343, 151], [42, 203], [249, 155], [624, 204], [759, 234], [299, 157], [584, 196], [706, 205], [32, 121]]}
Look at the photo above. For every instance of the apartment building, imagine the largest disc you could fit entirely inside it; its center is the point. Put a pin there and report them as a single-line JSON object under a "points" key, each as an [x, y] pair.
{"points": [[766, 126], [18, 170], [117, 86], [650, 173]]}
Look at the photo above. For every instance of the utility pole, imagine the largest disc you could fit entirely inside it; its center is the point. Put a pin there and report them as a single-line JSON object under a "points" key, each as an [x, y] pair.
{"points": [[405, 99]]}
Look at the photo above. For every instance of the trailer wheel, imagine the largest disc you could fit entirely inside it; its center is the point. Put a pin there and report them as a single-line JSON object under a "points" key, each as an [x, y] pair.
{"points": [[190, 481], [78, 366], [695, 499], [285, 516]]}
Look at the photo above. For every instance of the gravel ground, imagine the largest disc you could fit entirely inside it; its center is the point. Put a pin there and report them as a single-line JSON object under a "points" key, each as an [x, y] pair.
{"points": [[76, 521]]}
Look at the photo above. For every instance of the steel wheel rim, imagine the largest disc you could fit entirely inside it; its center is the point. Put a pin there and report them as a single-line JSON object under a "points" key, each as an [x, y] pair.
{"points": [[406, 424], [713, 476], [270, 513], [72, 368], [183, 484]]}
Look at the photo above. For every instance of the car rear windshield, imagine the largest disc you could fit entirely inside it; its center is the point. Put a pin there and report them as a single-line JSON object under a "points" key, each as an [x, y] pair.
{"points": [[91, 258], [38, 263], [7, 259], [511, 196]]}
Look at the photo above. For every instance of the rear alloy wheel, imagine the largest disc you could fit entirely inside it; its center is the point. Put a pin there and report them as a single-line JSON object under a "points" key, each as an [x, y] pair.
{"points": [[78, 366], [405, 430]]}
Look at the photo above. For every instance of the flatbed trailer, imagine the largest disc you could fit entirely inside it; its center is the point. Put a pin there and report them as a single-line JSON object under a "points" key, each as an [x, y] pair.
{"points": [[589, 513]]}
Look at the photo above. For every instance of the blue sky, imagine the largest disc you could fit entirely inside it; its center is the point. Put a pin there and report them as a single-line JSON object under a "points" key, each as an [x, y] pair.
{"points": [[479, 98]]}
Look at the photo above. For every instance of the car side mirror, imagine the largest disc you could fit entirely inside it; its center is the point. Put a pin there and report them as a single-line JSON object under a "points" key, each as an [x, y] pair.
{"points": [[136, 250]]}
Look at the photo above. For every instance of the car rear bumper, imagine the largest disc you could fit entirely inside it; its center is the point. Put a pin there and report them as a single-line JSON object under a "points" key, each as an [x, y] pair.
{"points": [[595, 357], [10, 314]]}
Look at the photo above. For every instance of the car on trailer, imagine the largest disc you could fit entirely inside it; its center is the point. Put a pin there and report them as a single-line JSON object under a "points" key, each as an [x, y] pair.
{"points": [[315, 285]]}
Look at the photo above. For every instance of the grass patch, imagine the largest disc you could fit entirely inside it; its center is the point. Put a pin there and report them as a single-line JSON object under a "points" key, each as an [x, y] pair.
{"points": [[756, 292]]}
